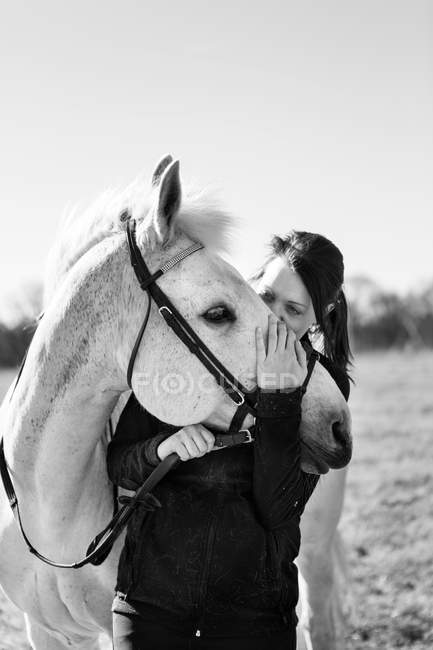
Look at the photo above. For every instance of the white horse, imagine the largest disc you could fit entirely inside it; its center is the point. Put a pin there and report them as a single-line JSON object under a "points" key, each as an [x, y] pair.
{"points": [[53, 426]]}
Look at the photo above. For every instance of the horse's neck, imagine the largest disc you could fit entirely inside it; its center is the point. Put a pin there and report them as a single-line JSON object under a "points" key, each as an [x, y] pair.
{"points": [[70, 383]]}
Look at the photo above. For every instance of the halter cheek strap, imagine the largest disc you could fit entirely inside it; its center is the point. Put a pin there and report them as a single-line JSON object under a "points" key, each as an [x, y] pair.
{"points": [[145, 279]]}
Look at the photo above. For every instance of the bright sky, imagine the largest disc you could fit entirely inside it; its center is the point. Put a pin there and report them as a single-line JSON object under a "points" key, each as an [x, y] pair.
{"points": [[309, 115]]}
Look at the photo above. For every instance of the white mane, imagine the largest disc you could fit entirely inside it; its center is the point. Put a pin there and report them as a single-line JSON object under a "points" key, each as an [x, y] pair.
{"points": [[200, 217]]}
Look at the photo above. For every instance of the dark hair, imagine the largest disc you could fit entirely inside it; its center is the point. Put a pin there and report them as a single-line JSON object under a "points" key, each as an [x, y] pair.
{"points": [[320, 266]]}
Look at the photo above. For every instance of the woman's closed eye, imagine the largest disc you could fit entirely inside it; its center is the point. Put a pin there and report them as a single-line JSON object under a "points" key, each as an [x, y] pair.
{"points": [[291, 309], [219, 314]]}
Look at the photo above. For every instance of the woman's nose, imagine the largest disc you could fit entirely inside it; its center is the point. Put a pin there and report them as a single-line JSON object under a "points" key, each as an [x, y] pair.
{"points": [[276, 308]]}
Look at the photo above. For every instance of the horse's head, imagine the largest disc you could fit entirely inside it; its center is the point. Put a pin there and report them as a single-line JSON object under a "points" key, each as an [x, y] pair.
{"points": [[224, 311], [209, 293]]}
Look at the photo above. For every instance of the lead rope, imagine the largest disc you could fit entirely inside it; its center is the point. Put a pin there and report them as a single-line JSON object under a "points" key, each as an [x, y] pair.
{"points": [[103, 542]]}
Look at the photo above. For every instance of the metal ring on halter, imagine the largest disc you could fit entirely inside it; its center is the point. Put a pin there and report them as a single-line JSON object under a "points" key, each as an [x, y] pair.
{"points": [[238, 394], [248, 436], [160, 309]]}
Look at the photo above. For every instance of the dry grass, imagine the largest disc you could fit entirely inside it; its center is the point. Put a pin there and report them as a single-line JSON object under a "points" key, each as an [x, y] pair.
{"points": [[388, 517]]}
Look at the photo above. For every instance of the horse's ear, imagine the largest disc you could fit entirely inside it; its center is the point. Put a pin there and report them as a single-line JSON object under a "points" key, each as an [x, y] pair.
{"points": [[169, 198], [160, 169]]}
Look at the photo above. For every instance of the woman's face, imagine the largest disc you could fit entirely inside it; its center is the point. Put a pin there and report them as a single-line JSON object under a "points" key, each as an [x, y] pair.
{"points": [[283, 291]]}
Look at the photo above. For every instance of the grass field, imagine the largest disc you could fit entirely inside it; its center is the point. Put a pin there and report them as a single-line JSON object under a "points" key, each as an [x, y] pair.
{"points": [[388, 517]]}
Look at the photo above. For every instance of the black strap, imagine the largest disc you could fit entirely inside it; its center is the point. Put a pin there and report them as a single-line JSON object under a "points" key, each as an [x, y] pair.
{"points": [[232, 439], [137, 345], [240, 415], [7, 483], [313, 357]]}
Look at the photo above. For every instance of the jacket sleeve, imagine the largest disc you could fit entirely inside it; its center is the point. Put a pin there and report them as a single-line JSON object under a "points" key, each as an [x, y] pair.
{"points": [[281, 489], [131, 454], [279, 484]]}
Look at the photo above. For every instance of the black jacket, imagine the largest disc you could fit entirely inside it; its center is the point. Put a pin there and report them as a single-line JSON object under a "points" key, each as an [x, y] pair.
{"points": [[218, 556]]}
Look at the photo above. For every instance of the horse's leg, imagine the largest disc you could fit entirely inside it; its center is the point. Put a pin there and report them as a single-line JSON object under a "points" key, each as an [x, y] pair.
{"points": [[325, 600], [42, 639], [323, 619], [301, 641]]}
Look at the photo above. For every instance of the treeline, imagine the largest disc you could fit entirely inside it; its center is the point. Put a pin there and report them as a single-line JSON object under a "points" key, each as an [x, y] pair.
{"points": [[14, 342], [19, 308], [378, 319]]}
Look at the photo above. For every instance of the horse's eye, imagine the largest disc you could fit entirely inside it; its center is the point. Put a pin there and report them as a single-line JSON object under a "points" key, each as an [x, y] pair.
{"points": [[220, 314]]}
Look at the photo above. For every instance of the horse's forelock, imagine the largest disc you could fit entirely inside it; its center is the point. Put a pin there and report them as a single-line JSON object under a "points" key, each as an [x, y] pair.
{"points": [[201, 218]]}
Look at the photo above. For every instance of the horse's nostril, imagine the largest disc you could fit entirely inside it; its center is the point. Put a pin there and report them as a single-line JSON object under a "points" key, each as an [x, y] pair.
{"points": [[339, 434], [342, 448]]}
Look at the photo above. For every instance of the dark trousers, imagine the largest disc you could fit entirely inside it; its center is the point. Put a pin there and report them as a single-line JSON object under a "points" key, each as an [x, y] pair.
{"points": [[130, 632]]}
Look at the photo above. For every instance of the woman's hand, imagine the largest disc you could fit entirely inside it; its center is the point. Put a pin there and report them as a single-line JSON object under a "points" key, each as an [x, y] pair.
{"points": [[283, 365], [192, 441]]}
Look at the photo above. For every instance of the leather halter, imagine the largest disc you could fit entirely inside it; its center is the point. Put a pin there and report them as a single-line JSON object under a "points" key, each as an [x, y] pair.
{"points": [[102, 544], [245, 399]]}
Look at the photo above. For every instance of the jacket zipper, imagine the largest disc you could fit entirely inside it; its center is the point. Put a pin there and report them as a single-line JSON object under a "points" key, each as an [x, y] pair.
{"points": [[206, 570]]}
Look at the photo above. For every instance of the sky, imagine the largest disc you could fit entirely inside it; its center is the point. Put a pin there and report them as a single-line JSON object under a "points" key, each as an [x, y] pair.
{"points": [[307, 115]]}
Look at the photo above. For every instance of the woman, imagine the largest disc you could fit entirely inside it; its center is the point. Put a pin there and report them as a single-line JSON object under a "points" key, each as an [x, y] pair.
{"points": [[213, 568]]}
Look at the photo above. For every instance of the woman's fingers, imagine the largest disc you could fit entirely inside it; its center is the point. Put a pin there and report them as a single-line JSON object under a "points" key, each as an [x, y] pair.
{"points": [[283, 335], [283, 364], [207, 437], [192, 441], [294, 344], [190, 446], [197, 440], [286, 320], [195, 445], [260, 345], [200, 443], [182, 451], [291, 338]]}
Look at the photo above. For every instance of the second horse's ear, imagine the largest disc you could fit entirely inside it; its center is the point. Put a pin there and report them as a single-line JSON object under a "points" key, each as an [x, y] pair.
{"points": [[169, 199], [160, 169]]}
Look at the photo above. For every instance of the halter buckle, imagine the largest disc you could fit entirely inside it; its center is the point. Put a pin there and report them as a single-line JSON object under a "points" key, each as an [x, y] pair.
{"points": [[166, 308], [248, 436], [238, 394]]}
